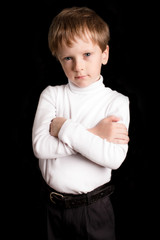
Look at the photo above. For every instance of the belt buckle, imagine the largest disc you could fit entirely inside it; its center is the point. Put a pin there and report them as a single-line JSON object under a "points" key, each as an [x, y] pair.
{"points": [[58, 196]]}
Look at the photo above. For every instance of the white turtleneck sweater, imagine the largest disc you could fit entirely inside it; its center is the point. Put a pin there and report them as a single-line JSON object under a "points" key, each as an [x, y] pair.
{"points": [[78, 161]]}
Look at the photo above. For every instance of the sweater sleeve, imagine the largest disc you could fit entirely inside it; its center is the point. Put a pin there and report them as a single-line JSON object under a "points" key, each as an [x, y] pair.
{"points": [[94, 148], [46, 146]]}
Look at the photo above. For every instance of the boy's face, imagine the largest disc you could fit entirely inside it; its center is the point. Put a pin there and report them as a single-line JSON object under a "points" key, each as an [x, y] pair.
{"points": [[82, 61]]}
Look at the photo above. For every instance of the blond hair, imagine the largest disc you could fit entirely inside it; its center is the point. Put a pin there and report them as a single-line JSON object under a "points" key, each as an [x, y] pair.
{"points": [[77, 22]]}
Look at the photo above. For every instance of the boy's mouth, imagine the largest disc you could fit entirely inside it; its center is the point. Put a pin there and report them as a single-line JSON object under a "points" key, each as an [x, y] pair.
{"points": [[80, 77]]}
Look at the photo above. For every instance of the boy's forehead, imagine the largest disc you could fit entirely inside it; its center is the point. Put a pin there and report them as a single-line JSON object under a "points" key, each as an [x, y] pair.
{"points": [[77, 41], [78, 44], [69, 38]]}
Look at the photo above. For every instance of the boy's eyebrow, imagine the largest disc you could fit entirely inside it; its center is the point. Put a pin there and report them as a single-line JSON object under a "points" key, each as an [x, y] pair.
{"points": [[63, 56], [83, 51], [72, 55]]}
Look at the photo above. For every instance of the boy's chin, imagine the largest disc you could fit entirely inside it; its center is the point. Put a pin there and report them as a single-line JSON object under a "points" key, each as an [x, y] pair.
{"points": [[83, 83]]}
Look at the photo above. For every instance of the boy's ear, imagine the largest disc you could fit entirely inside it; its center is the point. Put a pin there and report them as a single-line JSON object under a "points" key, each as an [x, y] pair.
{"points": [[105, 55]]}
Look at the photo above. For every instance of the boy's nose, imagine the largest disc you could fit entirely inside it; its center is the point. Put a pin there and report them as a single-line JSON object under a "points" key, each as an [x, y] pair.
{"points": [[78, 65]]}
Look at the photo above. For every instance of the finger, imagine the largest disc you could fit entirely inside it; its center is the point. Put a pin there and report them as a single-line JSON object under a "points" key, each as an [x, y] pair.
{"points": [[120, 128], [119, 125], [114, 118], [119, 131], [123, 131], [122, 137], [120, 141]]}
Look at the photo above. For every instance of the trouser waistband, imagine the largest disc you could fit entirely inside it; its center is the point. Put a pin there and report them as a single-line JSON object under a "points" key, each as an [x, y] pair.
{"points": [[72, 200]]}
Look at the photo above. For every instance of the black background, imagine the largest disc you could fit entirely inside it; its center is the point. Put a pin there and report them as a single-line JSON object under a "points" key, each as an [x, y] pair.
{"points": [[31, 68]]}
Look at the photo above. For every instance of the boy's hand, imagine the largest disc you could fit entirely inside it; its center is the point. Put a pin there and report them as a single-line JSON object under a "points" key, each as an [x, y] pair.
{"points": [[109, 129], [56, 125]]}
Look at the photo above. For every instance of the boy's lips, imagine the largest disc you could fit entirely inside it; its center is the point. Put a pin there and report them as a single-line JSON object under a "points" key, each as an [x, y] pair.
{"points": [[80, 77]]}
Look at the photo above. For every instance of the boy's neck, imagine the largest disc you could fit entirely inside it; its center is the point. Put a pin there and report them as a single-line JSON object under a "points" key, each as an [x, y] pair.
{"points": [[89, 89]]}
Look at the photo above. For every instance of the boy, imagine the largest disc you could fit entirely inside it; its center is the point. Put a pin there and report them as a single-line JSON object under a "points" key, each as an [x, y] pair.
{"points": [[80, 131]]}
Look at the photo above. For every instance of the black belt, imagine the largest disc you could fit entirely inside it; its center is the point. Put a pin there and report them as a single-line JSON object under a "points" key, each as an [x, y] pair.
{"points": [[72, 200]]}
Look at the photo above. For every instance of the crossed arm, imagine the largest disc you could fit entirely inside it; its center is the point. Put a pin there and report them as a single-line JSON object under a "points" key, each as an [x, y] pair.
{"points": [[104, 144], [108, 128]]}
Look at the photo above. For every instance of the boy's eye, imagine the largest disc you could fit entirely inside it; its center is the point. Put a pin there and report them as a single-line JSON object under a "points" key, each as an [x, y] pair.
{"points": [[67, 58], [87, 54]]}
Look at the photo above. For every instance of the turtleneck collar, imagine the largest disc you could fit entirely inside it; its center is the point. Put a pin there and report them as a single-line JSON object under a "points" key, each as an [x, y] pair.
{"points": [[94, 87]]}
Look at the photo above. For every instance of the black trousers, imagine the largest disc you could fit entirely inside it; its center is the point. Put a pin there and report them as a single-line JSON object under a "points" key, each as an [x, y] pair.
{"points": [[90, 222]]}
